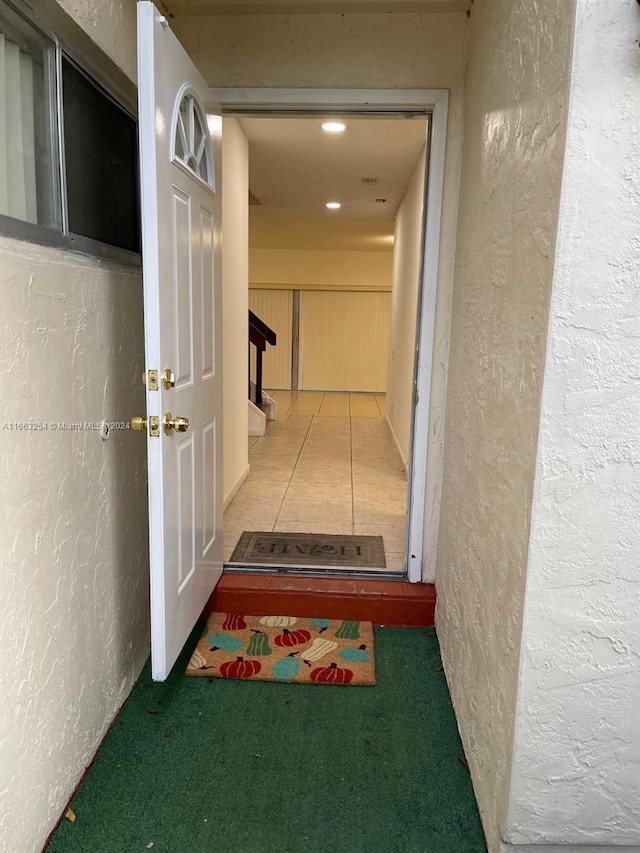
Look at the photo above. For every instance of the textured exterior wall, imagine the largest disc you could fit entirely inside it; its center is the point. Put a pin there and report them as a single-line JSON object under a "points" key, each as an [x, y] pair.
{"points": [[111, 25], [73, 531], [515, 105], [404, 308], [575, 774], [235, 303]]}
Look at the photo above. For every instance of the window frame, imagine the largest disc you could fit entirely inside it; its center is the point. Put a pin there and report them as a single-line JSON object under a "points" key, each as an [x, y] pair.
{"points": [[62, 238]]}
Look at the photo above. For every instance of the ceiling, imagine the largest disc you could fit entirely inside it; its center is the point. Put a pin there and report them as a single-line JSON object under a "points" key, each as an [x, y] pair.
{"points": [[295, 168], [300, 7]]}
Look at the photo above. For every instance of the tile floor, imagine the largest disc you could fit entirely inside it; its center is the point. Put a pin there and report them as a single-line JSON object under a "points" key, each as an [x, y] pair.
{"points": [[327, 464]]}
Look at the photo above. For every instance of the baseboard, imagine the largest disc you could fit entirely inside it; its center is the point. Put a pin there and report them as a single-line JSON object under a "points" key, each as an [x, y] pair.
{"points": [[396, 603], [405, 464], [569, 848], [233, 491]]}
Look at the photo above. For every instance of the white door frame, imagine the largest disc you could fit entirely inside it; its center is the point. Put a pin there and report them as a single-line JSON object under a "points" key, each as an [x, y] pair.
{"points": [[435, 101]]}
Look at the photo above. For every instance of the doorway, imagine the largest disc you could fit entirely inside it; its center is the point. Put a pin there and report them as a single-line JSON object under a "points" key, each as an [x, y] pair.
{"points": [[350, 400]]}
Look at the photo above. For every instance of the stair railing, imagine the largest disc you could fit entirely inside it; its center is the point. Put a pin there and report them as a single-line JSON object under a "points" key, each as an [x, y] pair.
{"points": [[259, 336]]}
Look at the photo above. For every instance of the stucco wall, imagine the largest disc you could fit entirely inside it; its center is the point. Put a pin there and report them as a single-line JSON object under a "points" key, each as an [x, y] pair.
{"points": [[73, 534], [575, 774], [235, 303], [404, 309], [517, 81]]}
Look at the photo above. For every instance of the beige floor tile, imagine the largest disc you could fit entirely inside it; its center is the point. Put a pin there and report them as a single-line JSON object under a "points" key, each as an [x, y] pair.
{"points": [[332, 459], [335, 405], [381, 400], [321, 474], [276, 465], [394, 560], [287, 429], [227, 552], [278, 445], [363, 406], [262, 488], [372, 496], [313, 527], [319, 491], [383, 515], [393, 535], [318, 511]]}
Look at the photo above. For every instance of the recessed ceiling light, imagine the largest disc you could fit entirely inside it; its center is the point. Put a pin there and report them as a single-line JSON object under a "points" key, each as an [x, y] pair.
{"points": [[334, 205], [333, 127]]}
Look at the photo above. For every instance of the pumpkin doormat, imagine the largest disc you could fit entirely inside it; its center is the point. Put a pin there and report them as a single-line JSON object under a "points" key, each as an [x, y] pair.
{"points": [[285, 648], [309, 550]]}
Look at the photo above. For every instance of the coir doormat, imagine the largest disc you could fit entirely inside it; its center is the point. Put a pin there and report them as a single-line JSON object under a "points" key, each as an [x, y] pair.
{"points": [[310, 550], [285, 648]]}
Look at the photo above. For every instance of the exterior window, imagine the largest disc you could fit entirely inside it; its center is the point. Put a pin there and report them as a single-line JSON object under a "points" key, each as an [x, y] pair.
{"points": [[191, 139], [101, 163], [68, 149], [28, 155]]}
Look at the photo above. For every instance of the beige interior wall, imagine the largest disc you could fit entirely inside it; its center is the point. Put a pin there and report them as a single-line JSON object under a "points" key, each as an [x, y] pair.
{"points": [[235, 304], [404, 308], [515, 118], [310, 269], [275, 307], [73, 536], [344, 341]]}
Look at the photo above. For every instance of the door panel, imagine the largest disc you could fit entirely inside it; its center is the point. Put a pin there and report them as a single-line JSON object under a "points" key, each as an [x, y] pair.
{"points": [[181, 217]]}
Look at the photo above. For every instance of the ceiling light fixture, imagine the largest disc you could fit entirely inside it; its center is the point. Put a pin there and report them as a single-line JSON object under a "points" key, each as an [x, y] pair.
{"points": [[333, 205], [333, 127]]}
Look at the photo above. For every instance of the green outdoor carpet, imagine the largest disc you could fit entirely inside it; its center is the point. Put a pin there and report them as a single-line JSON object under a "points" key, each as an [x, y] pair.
{"points": [[225, 766]]}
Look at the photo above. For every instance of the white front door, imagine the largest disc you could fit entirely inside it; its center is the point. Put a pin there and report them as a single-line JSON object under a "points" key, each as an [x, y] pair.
{"points": [[180, 159]]}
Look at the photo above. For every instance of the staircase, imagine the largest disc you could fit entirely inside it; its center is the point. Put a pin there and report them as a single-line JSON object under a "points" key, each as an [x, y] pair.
{"points": [[260, 336]]}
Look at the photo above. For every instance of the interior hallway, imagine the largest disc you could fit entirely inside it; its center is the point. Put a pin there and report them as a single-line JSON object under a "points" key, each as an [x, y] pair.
{"points": [[327, 464]]}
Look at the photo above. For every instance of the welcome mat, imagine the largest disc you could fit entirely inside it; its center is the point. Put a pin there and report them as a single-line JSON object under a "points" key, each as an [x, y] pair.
{"points": [[285, 648], [310, 550]]}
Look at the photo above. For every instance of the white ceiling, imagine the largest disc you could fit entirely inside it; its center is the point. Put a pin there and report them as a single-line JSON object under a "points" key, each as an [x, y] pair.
{"points": [[292, 7], [295, 168]]}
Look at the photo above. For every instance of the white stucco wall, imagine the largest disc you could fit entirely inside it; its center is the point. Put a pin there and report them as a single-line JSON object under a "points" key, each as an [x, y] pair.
{"points": [[404, 309], [235, 303], [576, 762], [73, 530], [515, 106]]}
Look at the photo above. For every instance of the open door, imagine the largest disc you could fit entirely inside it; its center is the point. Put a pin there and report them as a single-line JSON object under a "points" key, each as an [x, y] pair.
{"points": [[181, 220]]}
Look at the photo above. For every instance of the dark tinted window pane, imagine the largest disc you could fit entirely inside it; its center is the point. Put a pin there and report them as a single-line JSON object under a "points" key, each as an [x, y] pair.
{"points": [[101, 157]]}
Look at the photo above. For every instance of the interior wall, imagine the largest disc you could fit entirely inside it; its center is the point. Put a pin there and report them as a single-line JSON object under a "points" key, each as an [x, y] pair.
{"points": [[574, 776], [235, 304], [307, 269], [75, 630], [344, 341], [397, 50], [74, 538], [517, 83], [404, 308]]}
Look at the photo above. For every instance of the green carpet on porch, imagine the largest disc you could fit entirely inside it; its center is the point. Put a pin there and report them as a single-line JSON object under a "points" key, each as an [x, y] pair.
{"points": [[232, 766]]}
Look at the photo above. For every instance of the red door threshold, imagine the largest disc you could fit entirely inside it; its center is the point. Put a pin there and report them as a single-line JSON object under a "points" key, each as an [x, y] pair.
{"points": [[396, 603]]}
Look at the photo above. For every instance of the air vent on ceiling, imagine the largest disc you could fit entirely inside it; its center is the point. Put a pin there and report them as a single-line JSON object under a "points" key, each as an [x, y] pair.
{"points": [[381, 201], [369, 182]]}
